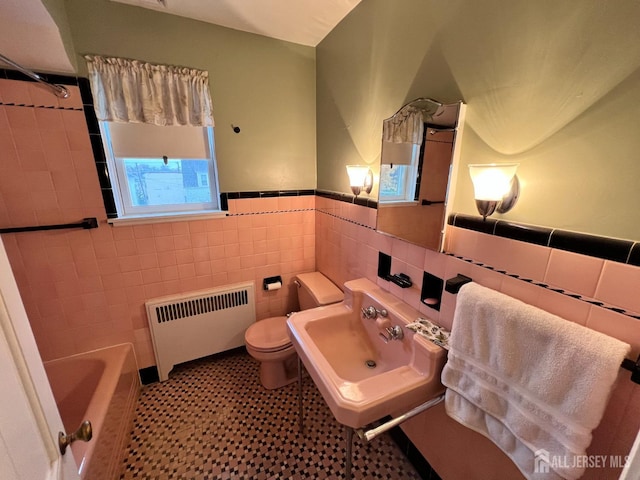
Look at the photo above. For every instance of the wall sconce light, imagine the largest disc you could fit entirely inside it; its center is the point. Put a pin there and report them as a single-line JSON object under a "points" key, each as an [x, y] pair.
{"points": [[360, 178], [496, 187]]}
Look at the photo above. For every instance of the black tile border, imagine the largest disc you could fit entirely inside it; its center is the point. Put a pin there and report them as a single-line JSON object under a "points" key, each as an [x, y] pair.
{"points": [[601, 247], [10, 74], [149, 375], [226, 196], [345, 197], [472, 223], [524, 233], [634, 257], [607, 248]]}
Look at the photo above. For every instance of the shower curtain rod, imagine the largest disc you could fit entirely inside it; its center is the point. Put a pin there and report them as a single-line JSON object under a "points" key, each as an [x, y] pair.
{"points": [[58, 90]]}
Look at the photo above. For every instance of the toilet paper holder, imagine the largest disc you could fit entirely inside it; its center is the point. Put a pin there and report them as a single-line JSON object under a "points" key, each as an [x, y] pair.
{"points": [[272, 283]]}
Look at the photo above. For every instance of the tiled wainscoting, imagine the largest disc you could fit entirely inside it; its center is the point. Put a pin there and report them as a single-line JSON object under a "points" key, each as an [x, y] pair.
{"points": [[86, 289], [581, 288]]}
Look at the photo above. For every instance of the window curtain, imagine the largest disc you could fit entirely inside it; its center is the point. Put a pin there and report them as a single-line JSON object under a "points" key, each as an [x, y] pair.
{"points": [[406, 126], [138, 92]]}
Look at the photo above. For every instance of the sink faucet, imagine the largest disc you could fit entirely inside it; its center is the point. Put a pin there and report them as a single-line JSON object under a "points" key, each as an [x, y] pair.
{"points": [[393, 333], [372, 312]]}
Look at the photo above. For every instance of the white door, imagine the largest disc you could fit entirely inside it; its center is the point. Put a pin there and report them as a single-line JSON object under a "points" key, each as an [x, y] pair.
{"points": [[29, 419]]}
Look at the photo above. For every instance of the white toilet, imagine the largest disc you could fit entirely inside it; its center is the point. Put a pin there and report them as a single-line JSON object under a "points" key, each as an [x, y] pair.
{"points": [[268, 341]]}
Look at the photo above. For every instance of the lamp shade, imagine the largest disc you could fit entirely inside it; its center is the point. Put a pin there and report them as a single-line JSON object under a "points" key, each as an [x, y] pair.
{"points": [[357, 175], [492, 181]]}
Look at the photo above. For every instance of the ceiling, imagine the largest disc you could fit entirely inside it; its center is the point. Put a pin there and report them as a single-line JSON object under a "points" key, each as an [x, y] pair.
{"points": [[305, 22], [30, 37]]}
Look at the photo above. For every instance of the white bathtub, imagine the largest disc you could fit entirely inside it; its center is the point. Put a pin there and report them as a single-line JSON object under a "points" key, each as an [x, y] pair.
{"points": [[101, 386]]}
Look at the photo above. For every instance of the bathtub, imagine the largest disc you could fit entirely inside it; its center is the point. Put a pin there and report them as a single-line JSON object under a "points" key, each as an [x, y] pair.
{"points": [[101, 386]]}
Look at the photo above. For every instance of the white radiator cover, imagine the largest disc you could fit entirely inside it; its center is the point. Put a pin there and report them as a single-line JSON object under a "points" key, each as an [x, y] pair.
{"points": [[193, 325]]}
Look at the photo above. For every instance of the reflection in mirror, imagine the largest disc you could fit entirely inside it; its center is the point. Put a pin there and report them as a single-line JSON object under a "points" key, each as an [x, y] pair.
{"points": [[419, 144]]}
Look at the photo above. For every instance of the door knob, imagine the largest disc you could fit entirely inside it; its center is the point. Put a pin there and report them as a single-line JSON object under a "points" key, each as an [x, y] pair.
{"points": [[84, 433]]}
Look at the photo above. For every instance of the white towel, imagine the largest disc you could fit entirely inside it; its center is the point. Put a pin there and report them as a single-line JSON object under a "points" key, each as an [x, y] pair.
{"points": [[532, 382]]}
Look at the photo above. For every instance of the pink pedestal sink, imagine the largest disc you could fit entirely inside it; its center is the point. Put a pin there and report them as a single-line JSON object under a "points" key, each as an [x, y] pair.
{"points": [[339, 348]]}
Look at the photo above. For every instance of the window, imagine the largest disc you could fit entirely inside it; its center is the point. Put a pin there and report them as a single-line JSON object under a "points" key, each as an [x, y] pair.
{"points": [[155, 168], [161, 170], [398, 180]]}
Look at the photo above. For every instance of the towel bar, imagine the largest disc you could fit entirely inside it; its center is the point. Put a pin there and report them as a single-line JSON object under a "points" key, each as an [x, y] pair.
{"points": [[633, 367], [86, 223], [453, 284], [374, 432]]}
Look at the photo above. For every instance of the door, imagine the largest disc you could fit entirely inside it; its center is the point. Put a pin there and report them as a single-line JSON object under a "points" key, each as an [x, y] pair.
{"points": [[29, 418]]}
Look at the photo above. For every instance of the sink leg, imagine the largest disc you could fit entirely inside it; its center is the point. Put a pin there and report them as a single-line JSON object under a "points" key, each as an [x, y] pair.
{"points": [[348, 453], [300, 413]]}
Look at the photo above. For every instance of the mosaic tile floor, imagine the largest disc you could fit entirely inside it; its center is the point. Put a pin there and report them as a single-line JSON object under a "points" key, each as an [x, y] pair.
{"points": [[213, 420]]}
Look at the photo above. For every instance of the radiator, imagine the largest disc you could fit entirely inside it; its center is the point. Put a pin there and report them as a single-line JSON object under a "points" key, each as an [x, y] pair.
{"points": [[193, 325]]}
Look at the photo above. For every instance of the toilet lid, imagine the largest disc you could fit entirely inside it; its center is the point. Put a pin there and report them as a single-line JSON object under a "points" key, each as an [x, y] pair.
{"points": [[268, 334]]}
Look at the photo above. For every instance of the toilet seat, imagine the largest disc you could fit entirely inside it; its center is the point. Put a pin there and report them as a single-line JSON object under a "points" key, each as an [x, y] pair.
{"points": [[268, 335]]}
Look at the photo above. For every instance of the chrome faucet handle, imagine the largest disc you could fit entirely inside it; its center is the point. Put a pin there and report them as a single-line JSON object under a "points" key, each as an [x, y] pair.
{"points": [[373, 312], [369, 312], [393, 333]]}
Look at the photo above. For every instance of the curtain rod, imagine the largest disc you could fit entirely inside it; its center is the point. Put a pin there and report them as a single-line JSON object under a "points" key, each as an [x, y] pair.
{"points": [[58, 90]]}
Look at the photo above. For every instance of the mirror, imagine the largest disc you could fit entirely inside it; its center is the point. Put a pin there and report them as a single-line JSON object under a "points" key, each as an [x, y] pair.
{"points": [[420, 143]]}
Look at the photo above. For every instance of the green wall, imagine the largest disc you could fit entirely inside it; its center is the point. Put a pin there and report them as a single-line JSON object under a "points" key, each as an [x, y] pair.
{"points": [[264, 86], [553, 85]]}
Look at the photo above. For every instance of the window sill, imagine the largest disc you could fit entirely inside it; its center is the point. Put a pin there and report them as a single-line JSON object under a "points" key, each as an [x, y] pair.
{"points": [[166, 217], [397, 203]]}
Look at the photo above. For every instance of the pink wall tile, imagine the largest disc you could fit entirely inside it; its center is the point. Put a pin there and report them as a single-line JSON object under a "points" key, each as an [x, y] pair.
{"points": [[148, 261], [129, 263], [159, 230], [562, 305], [461, 242], [526, 259], [49, 119], [164, 244], [107, 266], [143, 231], [145, 245], [618, 286], [520, 290], [14, 91], [576, 273], [616, 325], [126, 247]]}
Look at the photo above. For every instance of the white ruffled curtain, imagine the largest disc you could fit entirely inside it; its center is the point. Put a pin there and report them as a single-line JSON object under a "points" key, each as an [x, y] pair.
{"points": [[138, 92], [406, 126]]}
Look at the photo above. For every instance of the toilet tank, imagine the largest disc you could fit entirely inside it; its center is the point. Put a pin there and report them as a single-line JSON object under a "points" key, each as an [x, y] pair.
{"points": [[316, 290]]}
